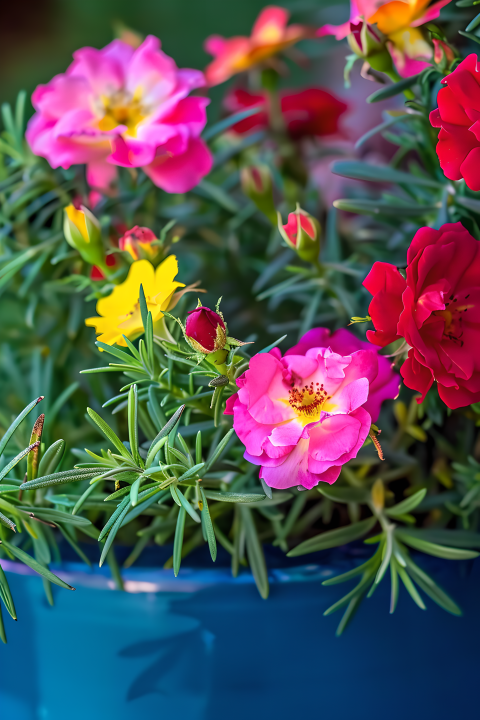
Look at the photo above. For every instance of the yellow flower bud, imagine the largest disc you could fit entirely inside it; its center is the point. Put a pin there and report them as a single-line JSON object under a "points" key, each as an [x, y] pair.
{"points": [[82, 232]]}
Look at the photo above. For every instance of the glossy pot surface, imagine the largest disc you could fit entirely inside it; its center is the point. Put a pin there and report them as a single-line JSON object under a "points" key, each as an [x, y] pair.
{"points": [[206, 645]]}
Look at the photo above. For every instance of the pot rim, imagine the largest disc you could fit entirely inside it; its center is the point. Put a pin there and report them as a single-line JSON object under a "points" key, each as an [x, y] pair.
{"points": [[159, 580]]}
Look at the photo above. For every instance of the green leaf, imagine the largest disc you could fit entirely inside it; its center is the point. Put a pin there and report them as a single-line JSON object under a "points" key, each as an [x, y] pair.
{"points": [[218, 451], [379, 207], [223, 125], [394, 585], [7, 522], [452, 538], [272, 345], [208, 526], [185, 504], [411, 589], [147, 497], [164, 432], [133, 422], [113, 517], [3, 634], [8, 434], [360, 570], [266, 489], [17, 459], [343, 494], [109, 434], [56, 516], [195, 470], [6, 595], [178, 541], [255, 554], [233, 497], [8, 488], [430, 548], [113, 531], [379, 173], [407, 505], [75, 546], [32, 563], [67, 476], [333, 538], [349, 613], [198, 447], [358, 590], [120, 354], [394, 89], [431, 589], [470, 36], [218, 194], [134, 491], [51, 459], [380, 128], [81, 500]]}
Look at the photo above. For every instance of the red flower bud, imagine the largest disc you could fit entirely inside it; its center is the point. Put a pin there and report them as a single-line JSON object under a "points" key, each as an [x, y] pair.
{"points": [[441, 50], [97, 273], [137, 242], [205, 330], [301, 233]]}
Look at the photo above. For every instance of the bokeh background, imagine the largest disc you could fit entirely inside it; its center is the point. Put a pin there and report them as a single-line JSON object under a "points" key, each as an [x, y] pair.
{"points": [[38, 37]]}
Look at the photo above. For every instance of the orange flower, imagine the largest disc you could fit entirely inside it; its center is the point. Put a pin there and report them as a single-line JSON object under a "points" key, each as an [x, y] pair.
{"points": [[399, 21], [270, 36]]}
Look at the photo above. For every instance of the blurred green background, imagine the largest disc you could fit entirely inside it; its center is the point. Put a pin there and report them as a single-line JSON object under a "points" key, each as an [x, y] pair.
{"points": [[38, 37]]}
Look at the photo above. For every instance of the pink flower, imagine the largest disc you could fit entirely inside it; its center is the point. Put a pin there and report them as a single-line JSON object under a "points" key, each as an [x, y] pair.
{"points": [[301, 417], [127, 107], [387, 383]]}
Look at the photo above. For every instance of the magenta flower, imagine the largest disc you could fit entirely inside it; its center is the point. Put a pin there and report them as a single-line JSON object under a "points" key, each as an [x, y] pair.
{"points": [[387, 382], [123, 107], [301, 417]]}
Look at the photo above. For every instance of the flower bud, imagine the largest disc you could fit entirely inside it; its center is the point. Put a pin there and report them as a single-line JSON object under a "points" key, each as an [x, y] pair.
{"points": [[258, 186], [96, 273], [138, 243], [302, 234], [82, 232], [369, 43], [205, 330], [441, 51]]}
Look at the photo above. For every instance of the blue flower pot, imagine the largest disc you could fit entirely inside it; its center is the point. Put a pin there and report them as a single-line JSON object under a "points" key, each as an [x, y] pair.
{"points": [[206, 645]]}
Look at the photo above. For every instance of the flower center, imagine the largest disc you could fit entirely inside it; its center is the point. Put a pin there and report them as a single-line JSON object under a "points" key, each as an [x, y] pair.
{"points": [[453, 316], [308, 400], [121, 108]]}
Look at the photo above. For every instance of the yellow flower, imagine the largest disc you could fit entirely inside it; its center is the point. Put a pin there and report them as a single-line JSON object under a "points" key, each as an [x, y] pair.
{"points": [[120, 312]]}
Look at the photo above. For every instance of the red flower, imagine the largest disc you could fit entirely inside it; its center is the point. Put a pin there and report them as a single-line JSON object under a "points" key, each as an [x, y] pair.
{"points": [[458, 146], [436, 310], [205, 330], [309, 112], [97, 273]]}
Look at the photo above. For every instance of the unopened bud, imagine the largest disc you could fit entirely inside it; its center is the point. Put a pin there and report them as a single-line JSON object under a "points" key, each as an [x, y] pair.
{"points": [[258, 186], [369, 43], [82, 232], [302, 234], [378, 495], [138, 243], [441, 51], [205, 330]]}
